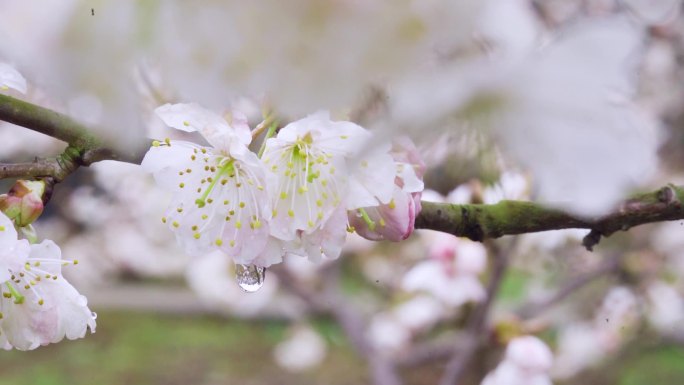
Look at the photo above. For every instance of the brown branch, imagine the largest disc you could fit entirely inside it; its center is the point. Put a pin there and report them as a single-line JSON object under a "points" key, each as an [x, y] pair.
{"points": [[477, 321], [484, 221]]}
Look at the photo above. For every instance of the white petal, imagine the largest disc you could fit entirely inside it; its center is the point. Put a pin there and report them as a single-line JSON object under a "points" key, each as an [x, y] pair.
{"points": [[10, 77], [191, 117], [372, 180]]}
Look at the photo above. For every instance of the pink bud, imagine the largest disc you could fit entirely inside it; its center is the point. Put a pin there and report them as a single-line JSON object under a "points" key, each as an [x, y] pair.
{"points": [[395, 220], [24, 202], [392, 222]]}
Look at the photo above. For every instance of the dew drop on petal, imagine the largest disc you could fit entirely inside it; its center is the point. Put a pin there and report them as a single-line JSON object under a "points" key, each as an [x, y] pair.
{"points": [[250, 278]]}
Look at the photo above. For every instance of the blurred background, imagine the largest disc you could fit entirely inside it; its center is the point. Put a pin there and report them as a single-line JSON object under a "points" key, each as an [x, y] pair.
{"points": [[573, 102]]}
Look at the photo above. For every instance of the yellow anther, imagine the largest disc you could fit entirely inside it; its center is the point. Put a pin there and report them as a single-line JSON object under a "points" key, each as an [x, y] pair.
{"points": [[155, 143], [392, 205], [194, 228], [232, 243], [219, 242], [181, 185], [186, 123], [283, 195], [242, 205], [238, 224], [175, 224], [41, 302], [205, 216], [167, 141], [290, 213], [196, 236]]}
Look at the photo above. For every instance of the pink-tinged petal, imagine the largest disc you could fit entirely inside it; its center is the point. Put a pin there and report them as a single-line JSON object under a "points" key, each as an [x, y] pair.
{"points": [[327, 242], [49, 308], [272, 254], [11, 78], [372, 180], [392, 222], [410, 164]]}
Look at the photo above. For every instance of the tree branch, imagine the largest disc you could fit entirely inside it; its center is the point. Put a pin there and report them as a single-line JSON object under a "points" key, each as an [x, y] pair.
{"points": [[47, 122], [474, 221], [483, 221]]}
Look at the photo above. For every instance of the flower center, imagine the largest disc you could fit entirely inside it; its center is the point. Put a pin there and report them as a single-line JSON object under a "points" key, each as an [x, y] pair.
{"points": [[227, 168]]}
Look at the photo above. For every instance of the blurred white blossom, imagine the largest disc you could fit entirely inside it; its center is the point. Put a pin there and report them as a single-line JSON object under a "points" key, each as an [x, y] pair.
{"points": [[303, 350]]}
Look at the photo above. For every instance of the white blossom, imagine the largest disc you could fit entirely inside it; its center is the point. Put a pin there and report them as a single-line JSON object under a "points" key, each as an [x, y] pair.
{"points": [[527, 362], [38, 306], [219, 192]]}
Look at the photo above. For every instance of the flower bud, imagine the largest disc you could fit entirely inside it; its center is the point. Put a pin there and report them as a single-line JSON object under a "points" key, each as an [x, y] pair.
{"points": [[24, 202]]}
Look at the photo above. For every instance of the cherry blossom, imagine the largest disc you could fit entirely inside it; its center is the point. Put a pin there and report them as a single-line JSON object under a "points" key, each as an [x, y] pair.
{"points": [[219, 191], [38, 306], [394, 220], [527, 362], [316, 172], [24, 203], [308, 171], [451, 275]]}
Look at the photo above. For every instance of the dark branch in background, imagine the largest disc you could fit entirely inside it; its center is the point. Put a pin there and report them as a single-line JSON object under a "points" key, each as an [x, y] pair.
{"points": [[382, 369], [607, 268], [477, 321], [475, 221]]}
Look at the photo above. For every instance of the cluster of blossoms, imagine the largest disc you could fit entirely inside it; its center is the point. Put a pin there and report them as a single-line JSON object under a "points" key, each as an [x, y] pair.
{"points": [[38, 306], [312, 183]]}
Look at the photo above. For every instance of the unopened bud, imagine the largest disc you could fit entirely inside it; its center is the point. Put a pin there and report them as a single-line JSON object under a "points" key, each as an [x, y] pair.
{"points": [[24, 202]]}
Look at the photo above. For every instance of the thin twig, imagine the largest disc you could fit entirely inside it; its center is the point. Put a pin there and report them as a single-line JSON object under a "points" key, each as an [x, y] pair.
{"points": [[611, 265]]}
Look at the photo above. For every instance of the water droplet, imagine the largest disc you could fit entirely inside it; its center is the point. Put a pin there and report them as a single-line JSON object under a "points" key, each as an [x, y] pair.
{"points": [[250, 278]]}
